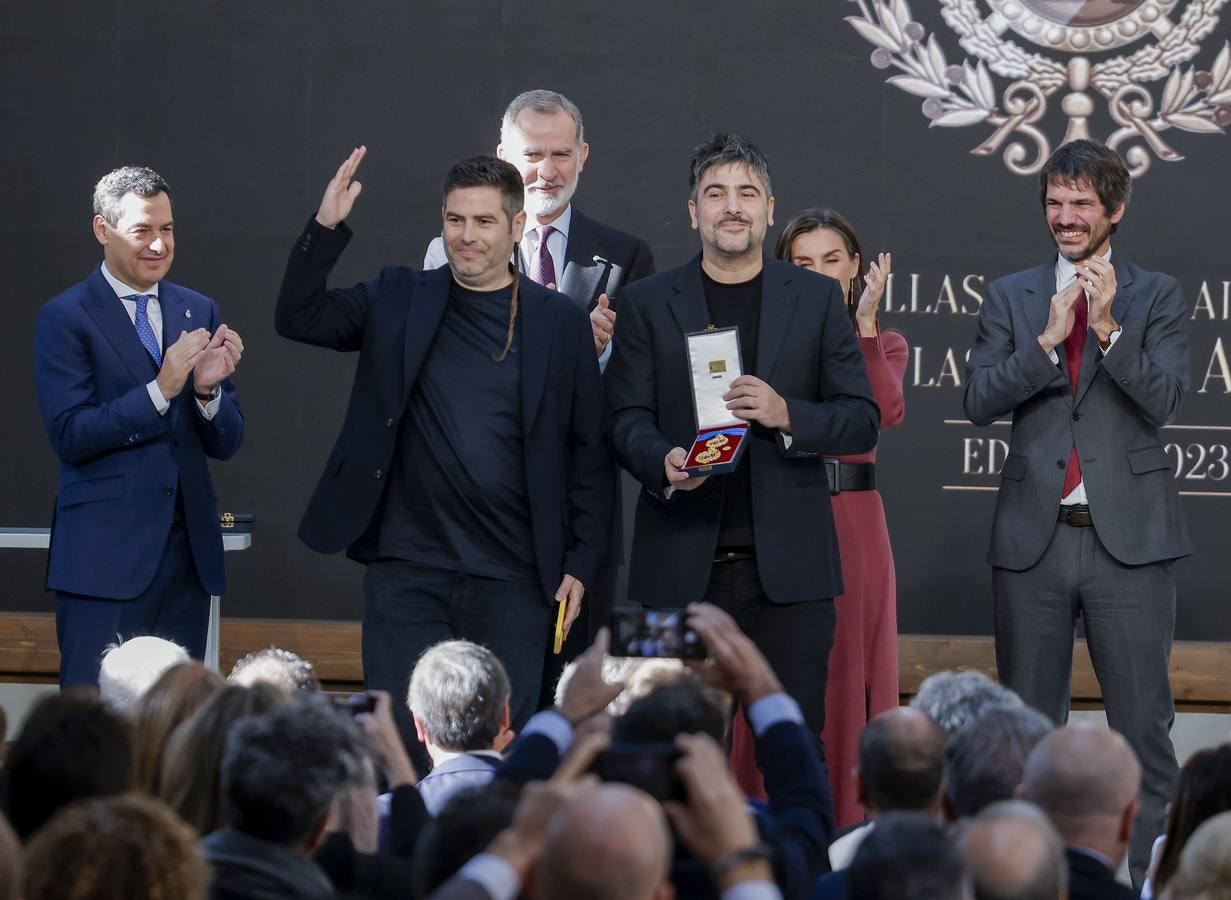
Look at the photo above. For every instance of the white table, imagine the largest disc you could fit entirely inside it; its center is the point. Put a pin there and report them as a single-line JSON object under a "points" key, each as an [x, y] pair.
{"points": [[15, 538]]}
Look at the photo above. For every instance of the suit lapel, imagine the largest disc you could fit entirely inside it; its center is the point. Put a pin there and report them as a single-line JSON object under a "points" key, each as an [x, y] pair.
{"points": [[582, 271], [105, 308], [174, 306], [423, 314], [687, 301], [1119, 308], [777, 306], [538, 322]]}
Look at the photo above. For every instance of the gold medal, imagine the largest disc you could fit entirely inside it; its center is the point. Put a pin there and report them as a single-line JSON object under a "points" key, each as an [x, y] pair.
{"points": [[708, 455], [718, 440]]}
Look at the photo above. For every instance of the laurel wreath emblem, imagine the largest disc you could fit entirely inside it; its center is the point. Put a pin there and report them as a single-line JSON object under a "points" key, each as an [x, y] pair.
{"points": [[965, 94]]}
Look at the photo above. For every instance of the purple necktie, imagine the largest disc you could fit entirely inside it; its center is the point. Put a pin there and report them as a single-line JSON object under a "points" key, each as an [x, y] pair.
{"points": [[542, 269]]}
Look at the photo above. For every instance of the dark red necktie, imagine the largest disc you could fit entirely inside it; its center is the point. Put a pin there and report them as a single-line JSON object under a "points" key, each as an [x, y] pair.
{"points": [[1074, 346]]}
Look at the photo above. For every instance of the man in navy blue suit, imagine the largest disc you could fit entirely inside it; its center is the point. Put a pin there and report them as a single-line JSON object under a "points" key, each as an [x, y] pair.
{"points": [[470, 475], [132, 374]]}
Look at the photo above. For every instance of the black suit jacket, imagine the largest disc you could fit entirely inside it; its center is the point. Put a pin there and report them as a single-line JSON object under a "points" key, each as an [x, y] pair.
{"points": [[807, 351], [1089, 879], [599, 259], [391, 320]]}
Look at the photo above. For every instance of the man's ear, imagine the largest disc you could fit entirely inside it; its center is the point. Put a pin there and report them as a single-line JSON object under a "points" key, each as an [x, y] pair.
{"points": [[582, 157], [519, 226], [770, 219], [419, 732], [692, 213], [99, 227]]}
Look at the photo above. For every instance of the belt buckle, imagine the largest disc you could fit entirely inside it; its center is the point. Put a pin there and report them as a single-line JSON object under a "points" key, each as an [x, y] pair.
{"points": [[833, 470]]}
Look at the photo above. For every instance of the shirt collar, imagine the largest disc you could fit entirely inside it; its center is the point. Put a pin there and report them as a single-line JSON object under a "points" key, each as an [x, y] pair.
{"points": [[121, 289], [561, 224], [1067, 271]]}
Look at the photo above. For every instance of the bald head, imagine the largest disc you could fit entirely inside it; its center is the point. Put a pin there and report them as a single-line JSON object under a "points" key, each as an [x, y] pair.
{"points": [[1012, 852], [901, 761], [1086, 780], [611, 842]]}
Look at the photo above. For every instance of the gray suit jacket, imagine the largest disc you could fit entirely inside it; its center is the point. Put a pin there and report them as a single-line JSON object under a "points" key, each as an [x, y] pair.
{"points": [[1123, 399]]}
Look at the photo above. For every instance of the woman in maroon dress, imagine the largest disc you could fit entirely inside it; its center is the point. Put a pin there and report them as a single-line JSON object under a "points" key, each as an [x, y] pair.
{"points": [[863, 664]]}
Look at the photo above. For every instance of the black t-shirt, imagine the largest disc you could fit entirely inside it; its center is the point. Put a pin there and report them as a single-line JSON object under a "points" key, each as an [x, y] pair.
{"points": [[739, 305], [457, 495]]}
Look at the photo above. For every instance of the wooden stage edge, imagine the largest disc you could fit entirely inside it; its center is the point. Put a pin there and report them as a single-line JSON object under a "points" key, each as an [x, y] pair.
{"points": [[1200, 670]]}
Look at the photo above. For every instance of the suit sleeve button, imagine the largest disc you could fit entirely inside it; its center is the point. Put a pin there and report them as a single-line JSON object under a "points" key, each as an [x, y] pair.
{"points": [[378, 474], [1060, 464], [168, 490], [1123, 380], [388, 423]]}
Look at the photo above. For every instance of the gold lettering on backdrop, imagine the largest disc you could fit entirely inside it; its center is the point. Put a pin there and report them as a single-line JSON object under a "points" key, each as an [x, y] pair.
{"points": [[983, 456], [1218, 360], [947, 297], [1205, 303], [948, 370]]}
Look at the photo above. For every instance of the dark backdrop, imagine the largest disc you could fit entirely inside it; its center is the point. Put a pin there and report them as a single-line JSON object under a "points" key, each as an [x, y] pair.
{"points": [[247, 108]]}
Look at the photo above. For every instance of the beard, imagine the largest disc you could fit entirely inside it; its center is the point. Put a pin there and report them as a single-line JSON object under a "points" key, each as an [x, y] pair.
{"points": [[1096, 235], [737, 244], [540, 204]]}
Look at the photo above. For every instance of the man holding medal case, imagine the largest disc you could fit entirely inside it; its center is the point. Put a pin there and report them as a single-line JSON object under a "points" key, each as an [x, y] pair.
{"points": [[758, 542]]}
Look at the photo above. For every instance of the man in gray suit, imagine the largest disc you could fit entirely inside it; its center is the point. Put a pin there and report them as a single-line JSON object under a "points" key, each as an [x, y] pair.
{"points": [[1089, 355]]}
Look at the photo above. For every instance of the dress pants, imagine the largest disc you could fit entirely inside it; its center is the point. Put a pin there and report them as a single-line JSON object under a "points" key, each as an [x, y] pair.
{"points": [[794, 637], [1129, 618], [174, 606], [408, 608]]}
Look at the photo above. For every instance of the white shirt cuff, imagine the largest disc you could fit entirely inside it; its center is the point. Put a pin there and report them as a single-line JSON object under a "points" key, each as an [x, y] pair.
{"points": [[772, 709], [786, 440], [161, 404], [553, 726], [210, 409], [494, 874], [605, 356]]}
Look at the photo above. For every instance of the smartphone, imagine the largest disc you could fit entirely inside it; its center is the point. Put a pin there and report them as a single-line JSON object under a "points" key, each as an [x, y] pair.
{"points": [[661, 633], [356, 703], [650, 767]]}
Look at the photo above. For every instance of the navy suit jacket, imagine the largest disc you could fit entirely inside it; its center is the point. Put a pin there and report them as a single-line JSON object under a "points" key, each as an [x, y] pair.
{"points": [[121, 463], [391, 321]]}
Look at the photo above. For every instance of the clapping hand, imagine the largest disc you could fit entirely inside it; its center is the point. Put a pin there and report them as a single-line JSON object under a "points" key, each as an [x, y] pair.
{"points": [[218, 360], [873, 290], [342, 190]]}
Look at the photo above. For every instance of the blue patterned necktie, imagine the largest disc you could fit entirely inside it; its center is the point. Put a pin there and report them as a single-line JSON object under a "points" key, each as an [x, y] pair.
{"points": [[144, 331]]}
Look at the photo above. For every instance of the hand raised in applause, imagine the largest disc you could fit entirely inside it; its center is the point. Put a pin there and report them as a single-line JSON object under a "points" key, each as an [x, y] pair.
{"points": [[1098, 279], [873, 290], [341, 191], [218, 360], [602, 323], [1060, 317], [178, 361]]}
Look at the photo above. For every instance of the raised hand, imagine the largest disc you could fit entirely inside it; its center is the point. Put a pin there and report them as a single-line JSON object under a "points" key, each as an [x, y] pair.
{"points": [[341, 191], [1098, 278], [218, 360], [178, 361], [602, 322], [734, 664], [1060, 317], [873, 290]]}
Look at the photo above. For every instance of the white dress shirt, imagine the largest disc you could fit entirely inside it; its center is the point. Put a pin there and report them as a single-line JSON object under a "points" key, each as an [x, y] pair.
{"points": [[153, 308], [1066, 274]]}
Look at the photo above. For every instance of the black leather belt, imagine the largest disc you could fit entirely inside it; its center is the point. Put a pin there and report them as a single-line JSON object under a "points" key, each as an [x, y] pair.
{"points": [[850, 476], [734, 554], [1077, 515]]}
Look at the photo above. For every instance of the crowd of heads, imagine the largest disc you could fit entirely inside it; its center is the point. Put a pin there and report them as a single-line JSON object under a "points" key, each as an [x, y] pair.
{"points": [[173, 782]]}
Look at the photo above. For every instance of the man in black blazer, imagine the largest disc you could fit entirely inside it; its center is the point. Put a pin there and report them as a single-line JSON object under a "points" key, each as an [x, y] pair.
{"points": [[758, 542], [471, 474], [1087, 781], [542, 134]]}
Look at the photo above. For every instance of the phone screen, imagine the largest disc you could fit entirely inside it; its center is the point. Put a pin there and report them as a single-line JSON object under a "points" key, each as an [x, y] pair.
{"points": [[660, 633]]}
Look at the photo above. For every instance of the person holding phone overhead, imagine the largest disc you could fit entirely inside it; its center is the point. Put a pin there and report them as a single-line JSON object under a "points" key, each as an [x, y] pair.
{"points": [[863, 663]]}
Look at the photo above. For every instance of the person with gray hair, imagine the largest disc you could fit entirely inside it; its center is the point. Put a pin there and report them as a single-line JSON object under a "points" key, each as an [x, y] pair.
{"points": [[284, 669], [759, 542], [1087, 780], [130, 669], [282, 772], [1012, 852], [984, 761], [133, 380], [459, 699], [955, 699], [562, 248]]}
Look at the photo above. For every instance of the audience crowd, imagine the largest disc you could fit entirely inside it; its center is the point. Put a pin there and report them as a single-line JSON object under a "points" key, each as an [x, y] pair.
{"points": [[171, 782]]}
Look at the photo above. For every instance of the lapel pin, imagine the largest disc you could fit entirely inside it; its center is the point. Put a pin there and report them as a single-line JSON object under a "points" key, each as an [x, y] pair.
{"points": [[188, 314]]}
